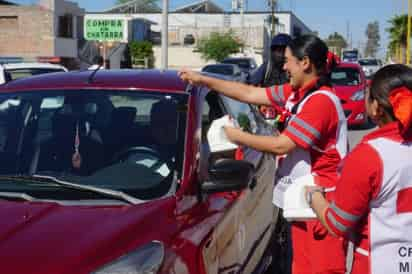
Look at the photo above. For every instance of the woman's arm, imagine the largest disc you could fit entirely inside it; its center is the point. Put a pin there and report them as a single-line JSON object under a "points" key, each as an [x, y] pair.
{"points": [[319, 205], [277, 145], [359, 182], [238, 91]]}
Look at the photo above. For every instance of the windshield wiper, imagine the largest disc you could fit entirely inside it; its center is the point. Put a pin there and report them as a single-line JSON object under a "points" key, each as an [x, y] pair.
{"points": [[18, 195], [104, 191]]}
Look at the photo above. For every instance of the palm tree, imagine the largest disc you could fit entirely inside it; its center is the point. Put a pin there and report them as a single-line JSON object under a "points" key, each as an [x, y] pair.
{"points": [[397, 35]]}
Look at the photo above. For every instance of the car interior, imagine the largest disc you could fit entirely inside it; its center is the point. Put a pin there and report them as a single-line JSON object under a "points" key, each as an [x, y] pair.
{"points": [[113, 134]]}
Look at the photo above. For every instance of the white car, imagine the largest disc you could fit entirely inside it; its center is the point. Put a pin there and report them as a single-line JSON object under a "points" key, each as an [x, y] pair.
{"points": [[13, 71], [370, 66]]}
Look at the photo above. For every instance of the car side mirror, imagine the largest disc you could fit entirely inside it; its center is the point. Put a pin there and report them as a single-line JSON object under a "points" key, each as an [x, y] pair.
{"points": [[228, 175]]}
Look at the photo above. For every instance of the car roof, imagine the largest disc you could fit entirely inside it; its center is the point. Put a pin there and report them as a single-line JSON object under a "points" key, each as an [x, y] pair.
{"points": [[32, 65], [238, 58], [156, 80], [348, 65], [222, 65], [368, 58]]}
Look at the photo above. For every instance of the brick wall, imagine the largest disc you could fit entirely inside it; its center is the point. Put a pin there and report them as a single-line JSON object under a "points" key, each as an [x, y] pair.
{"points": [[26, 31]]}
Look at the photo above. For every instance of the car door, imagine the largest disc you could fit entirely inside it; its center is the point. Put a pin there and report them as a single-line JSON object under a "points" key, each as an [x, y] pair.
{"points": [[245, 231], [223, 251], [258, 215]]}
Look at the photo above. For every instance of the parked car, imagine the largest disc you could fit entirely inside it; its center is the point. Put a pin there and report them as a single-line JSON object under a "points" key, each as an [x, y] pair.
{"points": [[230, 70], [369, 66], [111, 173], [350, 83], [246, 64], [13, 71], [189, 39]]}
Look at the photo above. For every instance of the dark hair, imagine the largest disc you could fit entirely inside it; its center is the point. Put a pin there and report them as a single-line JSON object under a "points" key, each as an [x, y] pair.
{"points": [[387, 79], [316, 50]]}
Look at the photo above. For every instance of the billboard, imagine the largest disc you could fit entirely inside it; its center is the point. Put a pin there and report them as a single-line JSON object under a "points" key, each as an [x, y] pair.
{"points": [[105, 29]]}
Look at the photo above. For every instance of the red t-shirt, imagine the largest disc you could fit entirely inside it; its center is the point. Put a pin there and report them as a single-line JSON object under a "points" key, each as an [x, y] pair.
{"points": [[359, 183], [314, 126]]}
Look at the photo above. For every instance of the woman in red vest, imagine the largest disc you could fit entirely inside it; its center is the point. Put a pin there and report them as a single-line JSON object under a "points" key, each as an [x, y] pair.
{"points": [[313, 143], [373, 198]]}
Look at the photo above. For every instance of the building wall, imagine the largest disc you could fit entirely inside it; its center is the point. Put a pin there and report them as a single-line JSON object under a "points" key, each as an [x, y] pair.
{"points": [[253, 32], [26, 31], [32, 31]]}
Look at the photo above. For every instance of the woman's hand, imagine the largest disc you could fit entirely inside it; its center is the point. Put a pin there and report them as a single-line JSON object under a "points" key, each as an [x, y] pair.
{"points": [[233, 133], [192, 77]]}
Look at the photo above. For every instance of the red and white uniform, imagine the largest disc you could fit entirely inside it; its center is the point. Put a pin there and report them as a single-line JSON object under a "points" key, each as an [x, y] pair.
{"points": [[319, 129], [374, 198]]}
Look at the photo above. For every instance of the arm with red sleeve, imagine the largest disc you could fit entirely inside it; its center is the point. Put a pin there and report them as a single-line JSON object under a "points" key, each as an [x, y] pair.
{"points": [[278, 95], [359, 183]]}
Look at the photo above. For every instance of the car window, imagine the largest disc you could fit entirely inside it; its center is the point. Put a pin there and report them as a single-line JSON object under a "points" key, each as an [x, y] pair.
{"points": [[224, 70], [239, 111], [26, 72], [119, 136], [243, 63], [368, 62], [342, 76]]}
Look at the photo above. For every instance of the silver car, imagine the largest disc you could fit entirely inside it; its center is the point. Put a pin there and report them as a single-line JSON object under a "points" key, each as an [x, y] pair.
{"points": [[370, 66]]}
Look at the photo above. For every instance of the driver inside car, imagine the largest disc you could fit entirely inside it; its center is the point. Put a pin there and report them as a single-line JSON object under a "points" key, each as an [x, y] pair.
{"points": [[163, 129]]}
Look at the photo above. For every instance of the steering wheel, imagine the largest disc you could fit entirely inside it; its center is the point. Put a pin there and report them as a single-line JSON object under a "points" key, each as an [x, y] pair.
{"points": [[142, 155]]}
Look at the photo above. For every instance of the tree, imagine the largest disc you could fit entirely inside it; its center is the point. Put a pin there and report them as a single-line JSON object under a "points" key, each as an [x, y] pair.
{"points": [[142, 53], [336, 43], [372, 44], [397, 34], [218, 46]]}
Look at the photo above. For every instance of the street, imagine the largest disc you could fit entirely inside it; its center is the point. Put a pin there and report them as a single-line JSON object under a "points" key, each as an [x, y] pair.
{"points": [[356, 135]]}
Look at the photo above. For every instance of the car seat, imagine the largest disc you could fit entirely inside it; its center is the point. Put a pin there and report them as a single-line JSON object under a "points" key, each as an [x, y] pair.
{"points": [[120, 131], [55, 154]]}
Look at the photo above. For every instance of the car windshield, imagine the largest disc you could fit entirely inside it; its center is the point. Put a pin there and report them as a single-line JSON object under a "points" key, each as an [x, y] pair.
{"points": [[368, 62], [345, 76], [15, 74], [127, 141], [243, 63], [350, 54], [221, 69]]}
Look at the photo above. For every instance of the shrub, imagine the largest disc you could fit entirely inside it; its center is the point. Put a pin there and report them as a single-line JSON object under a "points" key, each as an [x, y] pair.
{"points": [[139, 50]]}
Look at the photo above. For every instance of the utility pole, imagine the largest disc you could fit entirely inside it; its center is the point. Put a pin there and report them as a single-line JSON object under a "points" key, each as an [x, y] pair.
{"points": [[242, 18], [272, 6], [165, 40], [347, 33]]}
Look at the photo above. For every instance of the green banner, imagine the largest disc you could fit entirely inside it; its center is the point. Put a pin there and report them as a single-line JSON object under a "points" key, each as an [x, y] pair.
{"points": [[104, 30]]}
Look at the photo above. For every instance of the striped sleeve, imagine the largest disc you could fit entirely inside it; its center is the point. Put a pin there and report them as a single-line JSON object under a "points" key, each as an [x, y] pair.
{"points": [[279, 94], [360, 181], [311, 126]]}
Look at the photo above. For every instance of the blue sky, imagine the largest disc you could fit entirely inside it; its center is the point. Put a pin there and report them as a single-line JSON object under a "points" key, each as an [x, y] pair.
{"points": [[325, 16]]}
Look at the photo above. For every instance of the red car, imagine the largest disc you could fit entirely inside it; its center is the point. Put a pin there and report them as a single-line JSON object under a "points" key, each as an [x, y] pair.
{"points": [[111, 173], [350, 84]]}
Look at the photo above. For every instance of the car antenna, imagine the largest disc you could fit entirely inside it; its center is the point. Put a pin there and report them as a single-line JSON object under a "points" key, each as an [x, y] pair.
{"points": [[98, 60]]}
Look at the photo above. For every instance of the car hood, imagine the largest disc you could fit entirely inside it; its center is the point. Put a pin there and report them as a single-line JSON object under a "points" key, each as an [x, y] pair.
{"points": [[345, 92], [50, 238]]}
